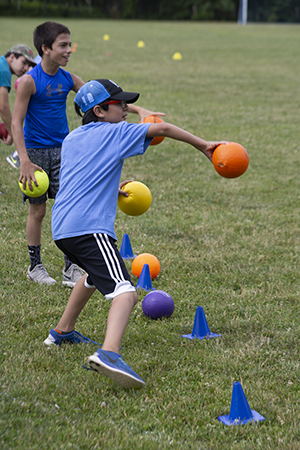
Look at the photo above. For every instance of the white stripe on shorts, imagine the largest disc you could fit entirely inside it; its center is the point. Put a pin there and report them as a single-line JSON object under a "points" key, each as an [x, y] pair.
{"points": [[109, 256]]}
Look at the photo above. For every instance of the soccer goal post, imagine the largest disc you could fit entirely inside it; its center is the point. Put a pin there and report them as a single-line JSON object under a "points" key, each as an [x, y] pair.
{"points": [[243, 12]]}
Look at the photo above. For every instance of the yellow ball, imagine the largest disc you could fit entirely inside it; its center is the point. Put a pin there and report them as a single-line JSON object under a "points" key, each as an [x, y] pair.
{"points": [[138, 200], [43, 184]]}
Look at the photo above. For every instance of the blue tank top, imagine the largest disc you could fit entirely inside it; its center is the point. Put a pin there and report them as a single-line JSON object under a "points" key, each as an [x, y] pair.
{"points": [[46, 123]]}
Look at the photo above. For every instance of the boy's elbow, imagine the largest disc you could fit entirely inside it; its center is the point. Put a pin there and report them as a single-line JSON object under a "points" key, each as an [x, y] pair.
{"points": [[4, 109], [14, 125], [159, 129], [164, 128]]}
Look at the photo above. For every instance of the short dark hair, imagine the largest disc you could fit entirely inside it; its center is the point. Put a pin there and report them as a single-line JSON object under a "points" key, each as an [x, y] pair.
{"points": [[46, 33], [17, 55], [89, 116]]}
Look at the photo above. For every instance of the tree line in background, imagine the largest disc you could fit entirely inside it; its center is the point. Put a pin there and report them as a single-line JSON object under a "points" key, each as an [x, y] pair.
{"points": [[208, 10]]}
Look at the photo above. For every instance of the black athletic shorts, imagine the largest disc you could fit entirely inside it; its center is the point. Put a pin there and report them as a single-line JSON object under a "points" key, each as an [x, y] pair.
{"points": [[99, 256], [49, 160]]}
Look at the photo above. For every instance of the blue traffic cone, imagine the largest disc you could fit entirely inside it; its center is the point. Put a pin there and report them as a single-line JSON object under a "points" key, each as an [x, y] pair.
{"points": [[145, 279], [126, 250], [240, 412], [201, 329]]}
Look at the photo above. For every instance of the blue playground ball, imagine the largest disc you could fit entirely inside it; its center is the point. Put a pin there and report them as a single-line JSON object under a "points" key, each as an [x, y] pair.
{"points": [[158, 304]]}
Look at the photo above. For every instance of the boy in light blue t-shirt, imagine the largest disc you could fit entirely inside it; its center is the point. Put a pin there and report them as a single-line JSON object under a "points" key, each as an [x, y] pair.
{"points": [[84, 212]]}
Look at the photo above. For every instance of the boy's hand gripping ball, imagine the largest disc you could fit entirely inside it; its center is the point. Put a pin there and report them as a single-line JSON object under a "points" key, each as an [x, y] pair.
{"points": [[154, 119], [230, 160], [43, 184], [138, 200]]}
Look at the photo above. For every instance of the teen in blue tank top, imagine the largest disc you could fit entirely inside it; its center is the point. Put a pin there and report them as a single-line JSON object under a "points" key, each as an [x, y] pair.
{"points": [[41, 104], [46, 123]]}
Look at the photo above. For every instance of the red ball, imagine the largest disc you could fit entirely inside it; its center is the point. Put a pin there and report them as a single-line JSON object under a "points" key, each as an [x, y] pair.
{"points": [[3, 131]]}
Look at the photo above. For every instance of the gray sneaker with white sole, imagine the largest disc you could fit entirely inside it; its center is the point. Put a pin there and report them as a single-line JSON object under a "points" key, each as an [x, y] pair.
{"points": [[72, 275], [40, 275]]}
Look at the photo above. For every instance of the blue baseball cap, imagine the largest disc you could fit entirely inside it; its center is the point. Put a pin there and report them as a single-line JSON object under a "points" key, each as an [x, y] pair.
{"points": [[95, 92]]}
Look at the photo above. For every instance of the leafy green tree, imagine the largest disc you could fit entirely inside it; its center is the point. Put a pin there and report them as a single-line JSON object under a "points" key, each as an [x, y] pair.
{"points": [[218, 10], [274, 10]]}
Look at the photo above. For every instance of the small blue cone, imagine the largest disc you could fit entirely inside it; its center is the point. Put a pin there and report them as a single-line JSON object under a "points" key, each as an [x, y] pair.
{"points": [[240, 412], [145, 279], [201, 328], [126, 250]]}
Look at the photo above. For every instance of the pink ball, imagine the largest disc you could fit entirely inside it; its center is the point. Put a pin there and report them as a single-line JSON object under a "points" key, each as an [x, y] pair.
{"points": [[17, 82], [158, 304]]}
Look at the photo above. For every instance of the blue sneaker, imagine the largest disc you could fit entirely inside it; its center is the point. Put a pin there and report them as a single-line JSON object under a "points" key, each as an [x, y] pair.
{"points": [[113, 366], [73, 337]]}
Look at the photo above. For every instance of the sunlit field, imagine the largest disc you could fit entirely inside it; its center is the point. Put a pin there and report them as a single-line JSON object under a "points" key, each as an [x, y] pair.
{"points": [[230, 246]]}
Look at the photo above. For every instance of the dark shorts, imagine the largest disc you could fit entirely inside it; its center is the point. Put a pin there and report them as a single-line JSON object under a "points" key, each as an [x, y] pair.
{"points": [[49, 160], [99, 256]]}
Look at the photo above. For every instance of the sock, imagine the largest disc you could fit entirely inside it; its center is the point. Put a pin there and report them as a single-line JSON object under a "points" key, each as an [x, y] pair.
{"points": [[62, 332], [15, 154], [68, 263], [35, 255]]}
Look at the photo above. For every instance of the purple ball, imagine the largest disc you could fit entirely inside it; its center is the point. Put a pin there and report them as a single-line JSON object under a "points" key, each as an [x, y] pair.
{"points": [[158, 304]]}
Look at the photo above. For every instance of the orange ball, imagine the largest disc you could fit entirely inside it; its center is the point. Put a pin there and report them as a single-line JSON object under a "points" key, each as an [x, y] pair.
{"points": [[230, 160], [145, 258], [154, 119]]}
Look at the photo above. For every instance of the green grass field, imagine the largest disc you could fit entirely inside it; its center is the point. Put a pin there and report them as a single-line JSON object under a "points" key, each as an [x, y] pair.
{"points": [[231, 246]]}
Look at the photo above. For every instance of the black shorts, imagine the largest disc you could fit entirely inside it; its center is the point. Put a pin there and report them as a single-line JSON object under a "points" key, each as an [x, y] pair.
{"points": [[99, 256], [49, 160]]}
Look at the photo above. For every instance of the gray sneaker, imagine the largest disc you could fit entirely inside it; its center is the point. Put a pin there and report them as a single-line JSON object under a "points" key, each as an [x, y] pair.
{"points": [[72, 275], [40, 275], [13, 161]]}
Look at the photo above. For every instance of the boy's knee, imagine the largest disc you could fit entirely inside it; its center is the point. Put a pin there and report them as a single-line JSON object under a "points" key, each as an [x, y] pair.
{"points": [[134, 298], [37, 212]]}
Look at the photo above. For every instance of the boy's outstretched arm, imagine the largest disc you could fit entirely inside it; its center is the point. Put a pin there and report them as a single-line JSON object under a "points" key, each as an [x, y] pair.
{"points": [[142, 112], [174, 132], [26, 88]]}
